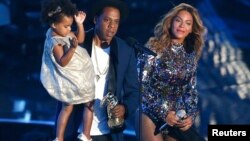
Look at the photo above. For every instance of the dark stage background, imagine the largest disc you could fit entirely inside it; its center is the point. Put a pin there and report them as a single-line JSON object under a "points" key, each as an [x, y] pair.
{"points": [[223, 74]]}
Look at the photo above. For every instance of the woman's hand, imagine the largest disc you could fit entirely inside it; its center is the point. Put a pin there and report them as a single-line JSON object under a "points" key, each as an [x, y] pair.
{"points": [[185, 124], [172, 119], [80, 17]]}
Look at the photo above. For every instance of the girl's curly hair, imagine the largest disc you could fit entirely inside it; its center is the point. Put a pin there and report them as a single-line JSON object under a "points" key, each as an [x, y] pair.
{"points": [[53, 10]]}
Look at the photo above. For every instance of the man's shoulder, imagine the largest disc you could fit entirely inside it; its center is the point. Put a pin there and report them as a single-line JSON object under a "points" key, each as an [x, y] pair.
{"points": [[121, 42], [118, 39]]}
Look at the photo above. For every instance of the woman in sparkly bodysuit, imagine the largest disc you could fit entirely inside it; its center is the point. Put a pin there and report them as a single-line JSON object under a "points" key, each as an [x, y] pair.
{"points": [[169, 95]]}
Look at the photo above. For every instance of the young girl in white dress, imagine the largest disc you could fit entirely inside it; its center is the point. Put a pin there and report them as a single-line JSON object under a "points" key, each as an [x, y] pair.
{"points": [[67, 72]]}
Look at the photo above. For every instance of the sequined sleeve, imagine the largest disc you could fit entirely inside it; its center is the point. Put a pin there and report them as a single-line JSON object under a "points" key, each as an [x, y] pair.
{"points": [[152, 101], [191, 98]]}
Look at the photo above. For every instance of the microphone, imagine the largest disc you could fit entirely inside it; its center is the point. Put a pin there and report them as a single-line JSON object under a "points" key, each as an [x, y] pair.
{"points": [[180, 114], [135, 44]]}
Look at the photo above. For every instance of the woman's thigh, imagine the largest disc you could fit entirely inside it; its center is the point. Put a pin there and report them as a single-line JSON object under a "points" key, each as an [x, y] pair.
{"points": [[148, 129]]}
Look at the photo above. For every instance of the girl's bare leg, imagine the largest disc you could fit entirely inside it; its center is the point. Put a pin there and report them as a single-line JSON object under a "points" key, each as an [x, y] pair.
{"points": [[62, 121], [87, 119]]}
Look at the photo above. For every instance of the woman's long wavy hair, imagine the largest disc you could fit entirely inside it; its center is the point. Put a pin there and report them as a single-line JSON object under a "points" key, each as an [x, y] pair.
{"points": [[162, 31]]}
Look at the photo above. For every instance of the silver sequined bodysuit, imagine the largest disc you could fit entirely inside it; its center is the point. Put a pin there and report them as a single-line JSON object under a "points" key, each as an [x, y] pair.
{"points": [[169, 83]]}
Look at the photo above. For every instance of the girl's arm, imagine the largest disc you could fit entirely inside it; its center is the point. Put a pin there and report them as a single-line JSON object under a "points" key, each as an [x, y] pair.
{"points": [[79, 19], [62, 55]]}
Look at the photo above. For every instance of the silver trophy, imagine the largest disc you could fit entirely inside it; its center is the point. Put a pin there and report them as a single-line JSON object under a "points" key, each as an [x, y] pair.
{"points": [[111, 101]]}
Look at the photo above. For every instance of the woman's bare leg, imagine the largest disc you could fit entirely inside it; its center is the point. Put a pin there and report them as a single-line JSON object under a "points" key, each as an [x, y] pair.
{"points": [[168, 138], [148, 129]]}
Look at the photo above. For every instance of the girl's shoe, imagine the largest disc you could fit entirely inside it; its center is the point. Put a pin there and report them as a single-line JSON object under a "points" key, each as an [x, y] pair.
{"points": [[82, 137]]}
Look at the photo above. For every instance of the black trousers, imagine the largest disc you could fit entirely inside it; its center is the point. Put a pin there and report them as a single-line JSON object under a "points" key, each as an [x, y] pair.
{"points": [[102, 138]]}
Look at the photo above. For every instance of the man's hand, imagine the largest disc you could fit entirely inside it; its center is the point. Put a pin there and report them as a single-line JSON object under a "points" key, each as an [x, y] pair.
{"points": [[80, 17], [119, 111]]}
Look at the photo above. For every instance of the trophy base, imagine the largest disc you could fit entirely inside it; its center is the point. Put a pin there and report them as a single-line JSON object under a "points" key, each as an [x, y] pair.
{"points": [[115, 123]]}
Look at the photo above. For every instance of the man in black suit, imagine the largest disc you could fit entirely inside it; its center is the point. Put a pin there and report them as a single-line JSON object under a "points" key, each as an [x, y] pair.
{"points": [[106, 50]]}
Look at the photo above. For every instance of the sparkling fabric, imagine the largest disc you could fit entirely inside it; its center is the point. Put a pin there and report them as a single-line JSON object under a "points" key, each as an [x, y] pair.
{"points": [[74, 83], [169, 83]]}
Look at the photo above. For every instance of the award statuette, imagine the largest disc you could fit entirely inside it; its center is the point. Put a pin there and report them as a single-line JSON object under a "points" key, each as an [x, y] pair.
{"points": [[111, 101]]}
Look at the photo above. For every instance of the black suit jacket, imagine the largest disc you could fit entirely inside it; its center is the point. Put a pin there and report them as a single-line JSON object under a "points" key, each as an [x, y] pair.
{"points": [[125, 66]]}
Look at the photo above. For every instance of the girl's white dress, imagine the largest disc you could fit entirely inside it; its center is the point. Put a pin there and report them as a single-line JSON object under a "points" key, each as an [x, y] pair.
{"points": [[72, 84]]}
